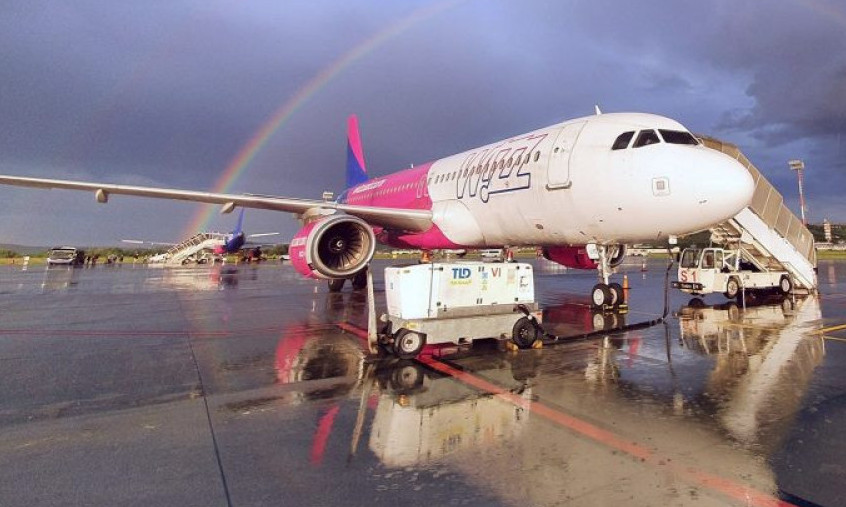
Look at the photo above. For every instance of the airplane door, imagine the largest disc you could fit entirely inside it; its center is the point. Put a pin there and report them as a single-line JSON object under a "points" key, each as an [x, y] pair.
{"points": [[559, 160]]}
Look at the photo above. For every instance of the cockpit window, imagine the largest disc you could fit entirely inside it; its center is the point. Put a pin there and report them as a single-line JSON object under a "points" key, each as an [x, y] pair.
{"points": [[622, 141], [645, 138], [678, 137]]}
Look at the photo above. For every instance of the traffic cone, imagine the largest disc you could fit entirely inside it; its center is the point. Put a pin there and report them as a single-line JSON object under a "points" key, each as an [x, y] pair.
{"points": [[509, 255], [625, 287], [425, 257]]}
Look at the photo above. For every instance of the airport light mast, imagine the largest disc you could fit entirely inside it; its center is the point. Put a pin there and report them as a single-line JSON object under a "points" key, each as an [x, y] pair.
{"points": [[798, 166]]}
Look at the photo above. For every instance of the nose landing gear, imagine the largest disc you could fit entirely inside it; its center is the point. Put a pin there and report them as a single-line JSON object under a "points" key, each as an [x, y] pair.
{"points": [[606, 295]]}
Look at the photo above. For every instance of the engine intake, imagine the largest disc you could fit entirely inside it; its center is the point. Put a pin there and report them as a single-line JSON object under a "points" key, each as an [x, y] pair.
{"points": [[337, 246]]}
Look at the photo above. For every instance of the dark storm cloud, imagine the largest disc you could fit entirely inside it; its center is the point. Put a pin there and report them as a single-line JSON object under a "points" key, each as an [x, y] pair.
{"points": [[167, 93]]}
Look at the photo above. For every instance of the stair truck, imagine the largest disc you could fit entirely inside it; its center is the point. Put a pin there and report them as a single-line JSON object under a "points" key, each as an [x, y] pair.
{"points": [[706, 270]]}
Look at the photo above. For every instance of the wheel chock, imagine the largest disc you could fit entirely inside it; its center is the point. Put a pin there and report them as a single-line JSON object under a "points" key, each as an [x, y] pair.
{"points": [[538, 344], [511, 346]]}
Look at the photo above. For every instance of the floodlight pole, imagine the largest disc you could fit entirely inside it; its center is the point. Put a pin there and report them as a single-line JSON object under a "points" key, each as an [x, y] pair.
{"points": [[799, 166]]}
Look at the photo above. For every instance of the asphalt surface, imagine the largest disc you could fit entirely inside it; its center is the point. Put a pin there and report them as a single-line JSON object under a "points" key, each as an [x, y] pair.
{"points": [[247, 385]]}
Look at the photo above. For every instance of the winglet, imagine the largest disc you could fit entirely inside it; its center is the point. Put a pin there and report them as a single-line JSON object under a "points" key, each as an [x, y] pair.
{"points": [[596, 108], [356, 169]]}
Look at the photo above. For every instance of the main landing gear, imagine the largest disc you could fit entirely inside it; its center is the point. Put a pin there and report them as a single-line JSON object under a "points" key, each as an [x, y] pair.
{"points": [[359, 281], [606, 295]]}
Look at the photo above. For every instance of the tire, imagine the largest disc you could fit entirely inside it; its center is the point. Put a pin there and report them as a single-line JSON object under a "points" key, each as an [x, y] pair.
{"points": [[696, 303], [618, 297], [408, 344], [785, 285], [336, 284], [600, 295], [407, 378], [524, 333], [733, 312], [732, 288], [597, 321], [359, 281]]}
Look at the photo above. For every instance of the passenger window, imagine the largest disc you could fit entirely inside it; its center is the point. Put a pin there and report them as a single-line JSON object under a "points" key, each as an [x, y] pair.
{"points": [[537, 155], [678, 137], [526, 158], [645, 138], [622, 141]]}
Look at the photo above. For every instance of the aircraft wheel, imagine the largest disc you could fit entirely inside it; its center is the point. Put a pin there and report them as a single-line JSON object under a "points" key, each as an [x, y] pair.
{"points": [[732, 288], [600, 295], [618, 297], [598, 321], [359, 281], [524, 333], [407, 344], [785, 285], [336, 284]]}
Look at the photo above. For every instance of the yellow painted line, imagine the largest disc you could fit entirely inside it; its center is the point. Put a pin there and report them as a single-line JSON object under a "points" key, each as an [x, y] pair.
{"points": [[832, 328]]}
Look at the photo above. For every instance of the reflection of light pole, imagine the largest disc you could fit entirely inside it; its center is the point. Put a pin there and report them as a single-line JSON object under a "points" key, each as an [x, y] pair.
{"points": [[798, 166]]}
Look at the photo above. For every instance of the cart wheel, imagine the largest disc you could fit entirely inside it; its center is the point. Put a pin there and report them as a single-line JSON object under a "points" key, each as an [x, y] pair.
{"points": [[524, 333], [407, 344], [407, 378]]}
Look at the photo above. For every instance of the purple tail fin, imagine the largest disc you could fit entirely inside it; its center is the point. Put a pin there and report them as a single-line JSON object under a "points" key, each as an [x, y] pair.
{"points": [[356, 169]]}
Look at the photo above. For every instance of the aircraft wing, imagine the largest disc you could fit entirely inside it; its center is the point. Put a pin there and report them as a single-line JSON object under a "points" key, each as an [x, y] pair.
{"points": [[411, 220]]}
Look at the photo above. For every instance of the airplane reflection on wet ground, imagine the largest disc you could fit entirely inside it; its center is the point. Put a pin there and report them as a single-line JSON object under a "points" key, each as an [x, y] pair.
{"points": [[246, 385]]}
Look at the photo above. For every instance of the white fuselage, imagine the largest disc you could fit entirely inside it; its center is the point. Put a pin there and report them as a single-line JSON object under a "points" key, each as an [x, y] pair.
{"points": [[566, 185]]}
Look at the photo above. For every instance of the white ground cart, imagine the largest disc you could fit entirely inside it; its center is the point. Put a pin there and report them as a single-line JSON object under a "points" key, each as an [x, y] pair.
{"points": [[458, 303]]}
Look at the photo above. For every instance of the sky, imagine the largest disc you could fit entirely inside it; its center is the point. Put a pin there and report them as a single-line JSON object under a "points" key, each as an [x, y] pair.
{"points": [[185, 93]]}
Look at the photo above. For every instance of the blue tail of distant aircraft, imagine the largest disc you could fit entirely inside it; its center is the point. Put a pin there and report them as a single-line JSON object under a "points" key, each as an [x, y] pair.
{"points": [[239, 227], [356, 169]]}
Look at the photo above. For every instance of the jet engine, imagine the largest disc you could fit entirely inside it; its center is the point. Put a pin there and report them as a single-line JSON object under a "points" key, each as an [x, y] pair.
{"points": [[337, 246], [579, 258]]}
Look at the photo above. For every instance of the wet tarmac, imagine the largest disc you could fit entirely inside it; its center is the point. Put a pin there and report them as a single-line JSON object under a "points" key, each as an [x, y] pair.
{"points": [[247, 385]]}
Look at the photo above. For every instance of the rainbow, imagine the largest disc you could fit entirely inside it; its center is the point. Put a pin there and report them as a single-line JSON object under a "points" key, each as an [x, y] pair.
{"points": [[280, 117]]}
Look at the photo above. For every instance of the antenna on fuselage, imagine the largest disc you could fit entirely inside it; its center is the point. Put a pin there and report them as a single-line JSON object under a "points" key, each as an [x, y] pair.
{"points": [[596, 108]]}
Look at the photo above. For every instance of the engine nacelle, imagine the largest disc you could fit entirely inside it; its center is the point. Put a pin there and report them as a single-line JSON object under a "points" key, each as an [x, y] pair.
{"points": [[584, 257], [337, 246]]}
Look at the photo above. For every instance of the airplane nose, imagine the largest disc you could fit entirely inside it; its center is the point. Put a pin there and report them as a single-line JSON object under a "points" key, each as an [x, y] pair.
{"points": [[728, 187]]}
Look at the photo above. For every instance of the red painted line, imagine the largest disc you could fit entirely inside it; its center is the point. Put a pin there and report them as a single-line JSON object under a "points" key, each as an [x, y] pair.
{"points": [[745, 494], [321, 437], [346, 326]]}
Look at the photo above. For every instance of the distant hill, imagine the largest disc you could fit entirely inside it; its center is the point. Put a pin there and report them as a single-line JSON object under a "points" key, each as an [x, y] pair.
{"points": [[23, 249]]}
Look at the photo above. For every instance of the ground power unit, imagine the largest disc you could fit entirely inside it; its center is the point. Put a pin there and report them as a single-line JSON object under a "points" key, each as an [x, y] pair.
{"points": [[457, 303]]}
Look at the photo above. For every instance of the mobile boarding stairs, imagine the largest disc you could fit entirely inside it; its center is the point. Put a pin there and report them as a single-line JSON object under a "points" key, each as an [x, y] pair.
{"points": [[179, 253], [770, 235]]}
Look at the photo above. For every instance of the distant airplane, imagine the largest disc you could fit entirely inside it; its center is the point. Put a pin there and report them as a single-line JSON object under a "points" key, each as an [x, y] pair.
{"points": [[238, 240], [581, 189]]}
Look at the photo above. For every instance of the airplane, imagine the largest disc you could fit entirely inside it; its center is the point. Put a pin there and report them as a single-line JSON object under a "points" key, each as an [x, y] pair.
{"points": [[237, 240], [581, 189]]}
